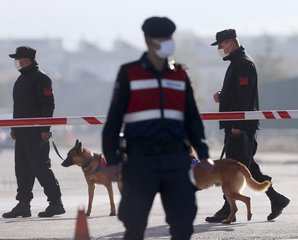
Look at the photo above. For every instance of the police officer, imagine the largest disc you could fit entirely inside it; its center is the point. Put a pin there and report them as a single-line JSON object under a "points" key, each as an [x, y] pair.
{"points": [[154, 100], [240, 93], [33, 98]]}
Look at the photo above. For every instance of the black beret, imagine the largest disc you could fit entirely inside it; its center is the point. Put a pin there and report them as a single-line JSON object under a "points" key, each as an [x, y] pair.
{"points": [[158, 27], [24, 52], [224, 35]]}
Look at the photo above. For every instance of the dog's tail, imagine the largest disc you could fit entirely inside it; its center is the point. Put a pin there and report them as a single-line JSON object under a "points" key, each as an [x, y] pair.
{"points": [[251, 182]]}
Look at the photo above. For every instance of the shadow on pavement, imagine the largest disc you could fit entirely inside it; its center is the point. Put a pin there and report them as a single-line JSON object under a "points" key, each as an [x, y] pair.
{"points": [[211, 227], [38, 219], [152, 232]]}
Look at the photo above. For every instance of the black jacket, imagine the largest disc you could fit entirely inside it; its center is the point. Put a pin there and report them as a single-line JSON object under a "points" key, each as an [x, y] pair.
{"points": [[32, 98], [192, 128], [240, 89]]}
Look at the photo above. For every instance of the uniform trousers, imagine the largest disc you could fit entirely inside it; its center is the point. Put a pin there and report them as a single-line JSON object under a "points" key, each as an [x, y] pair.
{"points": [[145, 176], [242, 148], [32, 161]]}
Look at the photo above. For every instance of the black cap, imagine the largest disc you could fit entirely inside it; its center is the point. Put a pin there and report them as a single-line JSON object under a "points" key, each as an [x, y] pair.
{"points": [[158, 27], [24, 52], [224, 35]]}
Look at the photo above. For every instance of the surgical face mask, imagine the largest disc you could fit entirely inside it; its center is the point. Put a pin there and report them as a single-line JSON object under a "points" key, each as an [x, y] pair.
{"points": [[166, 48], [17, 64], [222, 53]]}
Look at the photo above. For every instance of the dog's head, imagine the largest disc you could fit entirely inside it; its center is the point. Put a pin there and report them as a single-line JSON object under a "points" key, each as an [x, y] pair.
{"points": [[74, 156]]}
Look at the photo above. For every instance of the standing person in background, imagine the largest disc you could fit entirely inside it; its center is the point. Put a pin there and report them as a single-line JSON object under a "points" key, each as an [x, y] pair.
{"points": [[33, 98], [153, 99], [240, 93]]}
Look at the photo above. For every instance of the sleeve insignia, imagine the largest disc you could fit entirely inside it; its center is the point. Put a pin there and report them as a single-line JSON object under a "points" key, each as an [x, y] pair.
{"points": [[47, 92], [243, 81]]}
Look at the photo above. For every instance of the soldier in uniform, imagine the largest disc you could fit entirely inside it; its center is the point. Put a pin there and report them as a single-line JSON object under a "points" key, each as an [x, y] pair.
{"points": [[240, 93], [33, 98], [153, 101]]}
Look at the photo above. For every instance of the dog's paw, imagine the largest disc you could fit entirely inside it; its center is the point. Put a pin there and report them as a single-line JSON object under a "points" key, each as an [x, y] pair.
{"points": [[112, 214], [249, 215]]}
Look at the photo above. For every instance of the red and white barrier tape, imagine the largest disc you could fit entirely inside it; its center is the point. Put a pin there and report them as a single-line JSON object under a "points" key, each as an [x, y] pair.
{"points": [[251, 115], [96, 120], [36, 122]]}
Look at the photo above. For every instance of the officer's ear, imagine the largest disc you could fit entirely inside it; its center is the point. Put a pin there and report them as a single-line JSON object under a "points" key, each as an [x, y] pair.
{"points": [[151, 44]]}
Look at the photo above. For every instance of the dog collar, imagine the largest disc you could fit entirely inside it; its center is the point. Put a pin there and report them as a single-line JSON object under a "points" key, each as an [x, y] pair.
{"points": [[87, 168]]}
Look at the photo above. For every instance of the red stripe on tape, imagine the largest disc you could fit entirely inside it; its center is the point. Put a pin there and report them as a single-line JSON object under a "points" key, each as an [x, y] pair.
{"points": [[268, 115], [92, 120], [32, 122], [223, 116], [284, 114]]}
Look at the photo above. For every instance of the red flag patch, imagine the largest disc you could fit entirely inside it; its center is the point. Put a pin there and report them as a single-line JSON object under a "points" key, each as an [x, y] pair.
{"points": [[47, 92], [243, 81]]}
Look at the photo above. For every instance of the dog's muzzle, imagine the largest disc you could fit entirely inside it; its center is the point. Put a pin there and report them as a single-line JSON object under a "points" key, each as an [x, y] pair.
{"points": [[67, 162]]}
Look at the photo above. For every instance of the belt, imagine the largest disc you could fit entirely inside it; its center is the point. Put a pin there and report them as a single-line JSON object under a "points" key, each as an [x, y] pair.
{"points": [[138, 149]]}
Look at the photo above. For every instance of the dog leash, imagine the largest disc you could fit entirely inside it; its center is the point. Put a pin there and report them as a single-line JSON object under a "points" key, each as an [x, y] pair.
{"points": [[224, 149], [56, 150], [54, 146]]}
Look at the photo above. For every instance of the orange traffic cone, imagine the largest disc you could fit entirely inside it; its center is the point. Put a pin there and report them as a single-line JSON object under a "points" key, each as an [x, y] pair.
{"points": [[81, 231]]}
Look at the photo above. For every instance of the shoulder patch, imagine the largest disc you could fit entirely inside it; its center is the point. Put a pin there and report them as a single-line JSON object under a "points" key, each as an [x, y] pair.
{"points": [[47, 92], [243, 81]]}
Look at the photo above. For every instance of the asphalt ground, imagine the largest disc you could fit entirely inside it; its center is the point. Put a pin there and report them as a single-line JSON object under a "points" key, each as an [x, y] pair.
{"points": [[282, 167]]}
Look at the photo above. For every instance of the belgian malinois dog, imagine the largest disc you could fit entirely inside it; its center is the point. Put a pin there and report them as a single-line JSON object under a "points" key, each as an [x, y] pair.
{"points": [[231, 175], [93, 166]]}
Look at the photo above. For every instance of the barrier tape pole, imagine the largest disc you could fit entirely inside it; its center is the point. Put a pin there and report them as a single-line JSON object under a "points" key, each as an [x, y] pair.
{"points": [[97, 120]]}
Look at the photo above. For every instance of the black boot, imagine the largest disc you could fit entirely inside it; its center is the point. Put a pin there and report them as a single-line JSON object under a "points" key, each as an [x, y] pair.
{"points": [[54, 208], [221, 215], [278, 203], [22, 209]]}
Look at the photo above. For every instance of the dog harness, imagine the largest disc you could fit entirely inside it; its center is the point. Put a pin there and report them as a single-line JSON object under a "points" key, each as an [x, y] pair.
{"points": [[94, 165]]}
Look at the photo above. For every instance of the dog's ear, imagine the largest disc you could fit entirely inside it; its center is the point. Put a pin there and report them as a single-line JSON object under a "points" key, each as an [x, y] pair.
{"points": [[79, 148], [78, 142]]}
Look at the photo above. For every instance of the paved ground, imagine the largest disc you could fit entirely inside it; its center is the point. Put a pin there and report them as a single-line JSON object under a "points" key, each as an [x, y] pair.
{"points": [[283, 168]]}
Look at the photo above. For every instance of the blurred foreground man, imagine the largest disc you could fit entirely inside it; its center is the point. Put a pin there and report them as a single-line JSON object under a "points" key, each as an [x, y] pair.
{"points": [[240, 93], [153, 99], [33, 98]]}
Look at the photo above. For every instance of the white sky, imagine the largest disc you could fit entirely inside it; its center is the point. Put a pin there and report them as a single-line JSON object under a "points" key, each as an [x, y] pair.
{"points": [[102, 21]]}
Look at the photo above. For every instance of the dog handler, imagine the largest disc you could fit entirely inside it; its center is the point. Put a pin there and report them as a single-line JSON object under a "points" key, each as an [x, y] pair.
{"points": [[154, 100], [33, 98], [240, 93]]}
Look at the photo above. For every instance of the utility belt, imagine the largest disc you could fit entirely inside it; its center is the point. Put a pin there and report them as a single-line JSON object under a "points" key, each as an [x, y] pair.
{"points": [[158, 149]]}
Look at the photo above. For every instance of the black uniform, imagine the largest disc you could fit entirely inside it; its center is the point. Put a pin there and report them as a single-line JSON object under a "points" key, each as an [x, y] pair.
{"points": [[240, 93], [33, 98], [158, 159]]}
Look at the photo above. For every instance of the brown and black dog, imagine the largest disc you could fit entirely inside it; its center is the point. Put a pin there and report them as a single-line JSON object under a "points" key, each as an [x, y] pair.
{"points": [[231, 176], [93, 166]]}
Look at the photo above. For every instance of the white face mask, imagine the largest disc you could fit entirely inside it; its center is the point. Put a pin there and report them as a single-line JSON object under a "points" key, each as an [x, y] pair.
{"points": [[17, 64], [166, 49], [222, 53]]}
